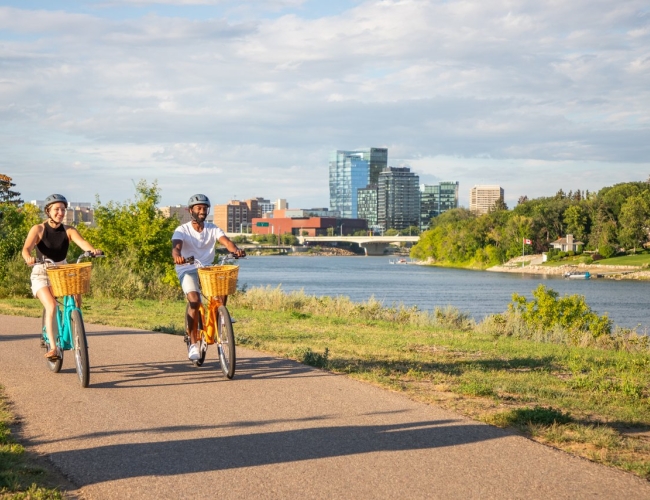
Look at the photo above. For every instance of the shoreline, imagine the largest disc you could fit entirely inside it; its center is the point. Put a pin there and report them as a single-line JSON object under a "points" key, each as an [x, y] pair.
{"points": [[596, 271]]}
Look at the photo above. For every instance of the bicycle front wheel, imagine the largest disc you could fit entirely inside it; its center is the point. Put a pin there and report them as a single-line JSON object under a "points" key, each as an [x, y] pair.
{"points": [[53, 365], [226, 342], [80, 348]]}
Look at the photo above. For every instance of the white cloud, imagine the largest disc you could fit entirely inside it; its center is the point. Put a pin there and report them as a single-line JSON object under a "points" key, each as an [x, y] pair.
{"points": [[259, 103]]}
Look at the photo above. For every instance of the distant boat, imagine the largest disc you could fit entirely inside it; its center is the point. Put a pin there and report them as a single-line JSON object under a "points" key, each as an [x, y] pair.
{"points": [[575, 275], [398, 261]]}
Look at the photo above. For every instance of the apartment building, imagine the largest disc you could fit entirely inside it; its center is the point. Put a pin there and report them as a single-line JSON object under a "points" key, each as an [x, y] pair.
{"points": [[483, 197]]}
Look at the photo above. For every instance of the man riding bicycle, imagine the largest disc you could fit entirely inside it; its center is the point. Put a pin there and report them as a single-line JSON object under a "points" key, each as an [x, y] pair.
{"points": [[197, 238]]}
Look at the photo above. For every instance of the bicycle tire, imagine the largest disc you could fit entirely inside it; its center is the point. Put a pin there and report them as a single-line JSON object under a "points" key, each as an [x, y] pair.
{"points": [[53, 365], [202, 349], [226, 342], [80, 348]]}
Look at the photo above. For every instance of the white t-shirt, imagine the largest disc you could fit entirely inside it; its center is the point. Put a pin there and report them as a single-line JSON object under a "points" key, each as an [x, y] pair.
{"points": [[200, 245]]}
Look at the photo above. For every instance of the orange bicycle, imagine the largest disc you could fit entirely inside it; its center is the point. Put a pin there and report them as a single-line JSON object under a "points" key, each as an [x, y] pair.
{"points": [[214, 321]]}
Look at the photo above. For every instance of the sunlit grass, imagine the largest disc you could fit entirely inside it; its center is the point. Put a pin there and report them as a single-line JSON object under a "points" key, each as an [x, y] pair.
{"points": [[581, 399]]}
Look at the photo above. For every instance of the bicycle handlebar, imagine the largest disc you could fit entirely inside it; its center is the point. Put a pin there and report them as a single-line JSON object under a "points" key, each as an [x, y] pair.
{"points": [[221, 261], [45, 260]]}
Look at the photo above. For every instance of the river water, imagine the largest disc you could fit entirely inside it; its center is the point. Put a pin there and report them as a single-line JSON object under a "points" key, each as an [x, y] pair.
{"points": [[478, 293]]}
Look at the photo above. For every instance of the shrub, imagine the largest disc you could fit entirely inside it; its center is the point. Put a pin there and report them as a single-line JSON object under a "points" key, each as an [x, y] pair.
{"points": [[550, 318], [606, 251]]}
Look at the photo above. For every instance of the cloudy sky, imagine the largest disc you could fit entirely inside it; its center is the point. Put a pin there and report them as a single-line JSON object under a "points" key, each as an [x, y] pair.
{"points": [[245, 98]]}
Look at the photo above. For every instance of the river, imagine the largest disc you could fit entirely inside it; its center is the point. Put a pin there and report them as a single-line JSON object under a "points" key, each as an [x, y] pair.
{"points": [[478, 293]]}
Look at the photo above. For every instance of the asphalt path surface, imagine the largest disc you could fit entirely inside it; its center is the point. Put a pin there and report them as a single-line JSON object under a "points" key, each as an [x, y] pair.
{"points": [[152, 426]]}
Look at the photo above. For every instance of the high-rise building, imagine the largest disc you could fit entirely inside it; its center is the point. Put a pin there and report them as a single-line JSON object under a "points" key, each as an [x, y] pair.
{"points": [[436, 199], [367, 204], [264, 206], [351, 171], [398, 198], [483, 198], [232, 217]]}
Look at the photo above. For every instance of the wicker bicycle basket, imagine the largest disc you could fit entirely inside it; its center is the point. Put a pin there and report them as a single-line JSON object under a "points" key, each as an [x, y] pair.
{"points": [[70, 279], [218, 280]]}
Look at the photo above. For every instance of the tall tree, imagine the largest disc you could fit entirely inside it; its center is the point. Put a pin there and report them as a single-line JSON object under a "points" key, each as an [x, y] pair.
{"points": [[633, 221], [576, 220], [6, 194]]}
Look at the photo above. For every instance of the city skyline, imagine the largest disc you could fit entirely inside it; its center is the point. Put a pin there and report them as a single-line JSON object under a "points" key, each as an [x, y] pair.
{"points": [[246, 99]]}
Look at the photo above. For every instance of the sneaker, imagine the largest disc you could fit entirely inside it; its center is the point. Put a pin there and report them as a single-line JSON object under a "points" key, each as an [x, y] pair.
{"points": [[194, 353]]}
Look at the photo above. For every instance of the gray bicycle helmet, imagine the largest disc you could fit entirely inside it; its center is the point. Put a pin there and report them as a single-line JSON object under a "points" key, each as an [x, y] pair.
{"points": [[198, 199], [55, 198]]}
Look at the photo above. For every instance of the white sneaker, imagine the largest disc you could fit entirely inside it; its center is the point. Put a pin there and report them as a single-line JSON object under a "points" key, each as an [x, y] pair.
{"points": [[194, 352]]}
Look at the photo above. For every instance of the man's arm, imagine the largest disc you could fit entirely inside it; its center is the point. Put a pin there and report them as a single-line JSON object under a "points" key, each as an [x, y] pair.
{"points": [[177, 246], [232, 248]]}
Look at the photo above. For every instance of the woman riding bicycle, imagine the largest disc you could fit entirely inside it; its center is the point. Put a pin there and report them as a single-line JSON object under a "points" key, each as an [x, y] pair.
{"points": [[197, 239], [51, 239]]}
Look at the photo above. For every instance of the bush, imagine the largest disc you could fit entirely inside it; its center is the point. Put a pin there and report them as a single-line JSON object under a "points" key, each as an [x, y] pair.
{"points": [[606, 251], [549, 318]]}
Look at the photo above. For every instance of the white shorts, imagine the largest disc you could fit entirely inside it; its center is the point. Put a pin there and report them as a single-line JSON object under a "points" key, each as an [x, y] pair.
{"points": [[39, 277], [190, 281]]}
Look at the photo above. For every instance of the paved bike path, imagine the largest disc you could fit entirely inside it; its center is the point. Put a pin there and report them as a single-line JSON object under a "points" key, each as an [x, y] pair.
{"points": [[152, 426]]}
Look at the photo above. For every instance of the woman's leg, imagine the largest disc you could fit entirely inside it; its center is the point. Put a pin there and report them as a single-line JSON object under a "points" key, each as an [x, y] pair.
{"points": [[49, 303]]}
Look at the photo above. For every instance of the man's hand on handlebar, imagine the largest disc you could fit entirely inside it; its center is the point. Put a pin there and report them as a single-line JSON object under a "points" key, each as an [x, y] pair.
{"points": [[239, 253]]}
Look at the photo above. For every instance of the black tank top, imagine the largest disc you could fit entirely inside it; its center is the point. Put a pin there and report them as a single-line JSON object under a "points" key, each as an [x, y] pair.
{"points": [[54, 243]]}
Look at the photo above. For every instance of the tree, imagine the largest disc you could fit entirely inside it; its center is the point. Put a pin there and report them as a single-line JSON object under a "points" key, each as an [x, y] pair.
{"points": [[498, 205], [6, 194], [576, 220], [633, 221], [135, 230]]}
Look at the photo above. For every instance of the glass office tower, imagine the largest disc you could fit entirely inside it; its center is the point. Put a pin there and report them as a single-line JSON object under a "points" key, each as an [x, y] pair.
{"points": [[436, 199], [349, 172], [398, 198]]}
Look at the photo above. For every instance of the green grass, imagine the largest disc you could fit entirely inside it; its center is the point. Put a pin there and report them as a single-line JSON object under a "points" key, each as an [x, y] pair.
{"points": [[20, 476], [638, 259], [641, 258], [591, 402]]}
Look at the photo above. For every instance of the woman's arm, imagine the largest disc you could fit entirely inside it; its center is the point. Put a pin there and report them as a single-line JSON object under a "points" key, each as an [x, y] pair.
{"points": [[33, 237], [76, 238]]}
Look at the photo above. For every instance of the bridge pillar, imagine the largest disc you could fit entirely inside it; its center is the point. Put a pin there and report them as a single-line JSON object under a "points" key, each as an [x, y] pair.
{"points": [[374, 247]]}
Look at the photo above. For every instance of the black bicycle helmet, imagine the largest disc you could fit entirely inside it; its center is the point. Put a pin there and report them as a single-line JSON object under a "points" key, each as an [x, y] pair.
{"points": [[55, 198], [198, 199]]}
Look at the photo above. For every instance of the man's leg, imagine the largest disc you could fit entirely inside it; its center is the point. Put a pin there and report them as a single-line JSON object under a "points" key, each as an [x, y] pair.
{"points": [[194, 300]]}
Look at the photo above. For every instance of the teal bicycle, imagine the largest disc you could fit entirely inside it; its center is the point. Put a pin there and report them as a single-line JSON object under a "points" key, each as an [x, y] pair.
{"points": [[66, 281]]}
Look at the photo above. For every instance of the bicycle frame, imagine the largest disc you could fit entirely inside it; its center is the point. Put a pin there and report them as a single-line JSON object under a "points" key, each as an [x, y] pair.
{"points": [[209, 318], [64, 330]]}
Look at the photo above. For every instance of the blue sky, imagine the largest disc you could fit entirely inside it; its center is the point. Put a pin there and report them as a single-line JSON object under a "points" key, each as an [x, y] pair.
{"points": [[247, 98]]}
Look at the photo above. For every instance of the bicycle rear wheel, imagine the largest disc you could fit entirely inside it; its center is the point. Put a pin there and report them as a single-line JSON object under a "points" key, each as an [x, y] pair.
{"points": [[80, 348], [226, 342], [202, 346], [53, 365]]}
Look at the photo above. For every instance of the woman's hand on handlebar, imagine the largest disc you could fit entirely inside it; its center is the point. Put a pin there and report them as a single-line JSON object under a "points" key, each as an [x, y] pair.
{"points": [[30, 261]]}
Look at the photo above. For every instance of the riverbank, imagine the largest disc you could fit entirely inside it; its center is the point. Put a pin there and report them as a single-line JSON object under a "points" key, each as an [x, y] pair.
{"points": [[531, 264]]}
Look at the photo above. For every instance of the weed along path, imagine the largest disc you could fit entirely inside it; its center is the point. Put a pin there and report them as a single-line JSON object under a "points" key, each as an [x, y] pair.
{"points": [[152, 426]]}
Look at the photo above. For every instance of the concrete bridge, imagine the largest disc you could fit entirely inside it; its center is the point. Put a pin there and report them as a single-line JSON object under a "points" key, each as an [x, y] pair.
{"points": [[372, 245]]}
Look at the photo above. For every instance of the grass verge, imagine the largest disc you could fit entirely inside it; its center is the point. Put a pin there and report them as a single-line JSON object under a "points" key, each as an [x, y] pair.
{"points": [[20, 475], [590, 402]]}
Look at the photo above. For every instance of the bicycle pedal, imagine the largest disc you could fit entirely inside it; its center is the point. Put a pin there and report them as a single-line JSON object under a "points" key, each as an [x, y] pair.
{"points": [[232, 320]]}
